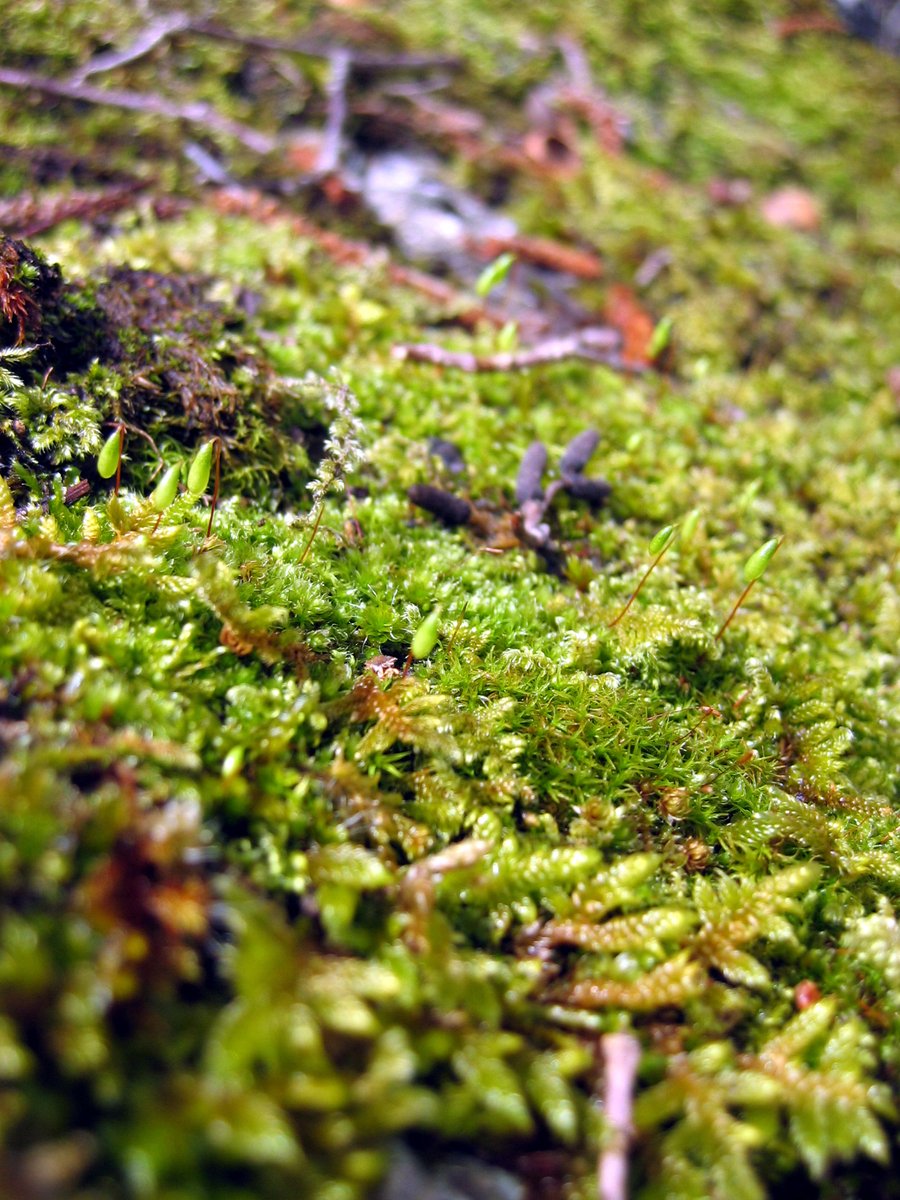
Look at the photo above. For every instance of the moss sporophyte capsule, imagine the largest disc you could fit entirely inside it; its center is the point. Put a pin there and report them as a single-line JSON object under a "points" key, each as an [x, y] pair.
{"points": [[426, 636], [198, 475], [108, 458], [166, 490], [759, 560]]}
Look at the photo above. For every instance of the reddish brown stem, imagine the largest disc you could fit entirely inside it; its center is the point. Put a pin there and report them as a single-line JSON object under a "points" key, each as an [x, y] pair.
{"points": [[215, 496], [409, 659], [634, 595], [119, 461], [456, 628], [740, 600], [312, 536]]}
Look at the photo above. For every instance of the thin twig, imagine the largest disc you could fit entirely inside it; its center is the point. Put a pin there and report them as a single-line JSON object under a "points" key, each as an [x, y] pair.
{"points": [[621, 1056], [195, 112], [253, 203], [158, 30], [336, 94], [306, 46], [26, 215], [75, 491], [147, 438], [597, 344], [210, 169]]}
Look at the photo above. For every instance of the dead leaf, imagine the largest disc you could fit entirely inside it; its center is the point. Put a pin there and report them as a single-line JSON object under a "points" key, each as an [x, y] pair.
{"points": [[625, 313]]}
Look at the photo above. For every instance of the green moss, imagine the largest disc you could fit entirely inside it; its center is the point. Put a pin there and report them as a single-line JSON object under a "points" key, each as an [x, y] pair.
{"points": [[263, 912]]}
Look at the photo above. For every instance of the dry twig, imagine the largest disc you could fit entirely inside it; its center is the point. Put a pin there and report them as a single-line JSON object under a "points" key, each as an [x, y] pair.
{"points": [[158, 30], [253, 203], [621, 1055], [336, 93], [596, 344], [27, 214], [195, 112]]}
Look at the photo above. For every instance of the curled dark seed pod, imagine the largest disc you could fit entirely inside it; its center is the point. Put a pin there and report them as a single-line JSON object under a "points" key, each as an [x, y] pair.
{"points": [[579, 450], [450, 509], [449, 454], [528, 480], [594, 491]]}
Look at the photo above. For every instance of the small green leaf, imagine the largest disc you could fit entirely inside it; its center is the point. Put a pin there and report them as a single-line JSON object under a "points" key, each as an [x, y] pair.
{"points": [[494, 274], [660, 338], [661, 538], [108, 458], [166, 490], [756, 564], [689, 525], [115, 510], [198, 475], [426, 636]]}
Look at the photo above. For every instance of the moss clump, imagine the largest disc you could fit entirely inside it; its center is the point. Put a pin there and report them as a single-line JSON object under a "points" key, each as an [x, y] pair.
{"points": [[152, 350], [271, 907]]}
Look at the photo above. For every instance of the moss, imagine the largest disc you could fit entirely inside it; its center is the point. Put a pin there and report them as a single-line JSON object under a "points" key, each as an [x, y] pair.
{"points": [[270, 905]]}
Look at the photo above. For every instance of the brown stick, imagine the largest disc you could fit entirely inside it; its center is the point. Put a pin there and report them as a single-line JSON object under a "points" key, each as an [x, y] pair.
{"points": [[597, 344], [195, 112], [75, 491], [255, 204], [543, 252], [621, 1056], [26, 215]]}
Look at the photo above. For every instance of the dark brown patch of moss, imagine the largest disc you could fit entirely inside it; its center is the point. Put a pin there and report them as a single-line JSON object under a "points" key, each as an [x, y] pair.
{"points": [[153, 350], [38, 307]]}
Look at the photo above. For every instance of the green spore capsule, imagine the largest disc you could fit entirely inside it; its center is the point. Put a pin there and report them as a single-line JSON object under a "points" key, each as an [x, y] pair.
{"points": [[759, 560], [494, 274], [660, 338], [426, 636], [166, 490], [108, 458], [689, 525], [198, 475], [661, 538]]}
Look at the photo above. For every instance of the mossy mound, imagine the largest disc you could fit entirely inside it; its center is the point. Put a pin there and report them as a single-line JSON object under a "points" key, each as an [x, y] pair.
{"points": [[153, 351], [278, 904]]}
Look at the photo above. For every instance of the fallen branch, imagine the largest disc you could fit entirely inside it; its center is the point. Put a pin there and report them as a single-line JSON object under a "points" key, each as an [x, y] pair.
{"points": [[26, 215], [621, 1055], [253, 203], [543, 252], [336, 94], [596, 344], [307, 46], [158, 30], [195, 112]]}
